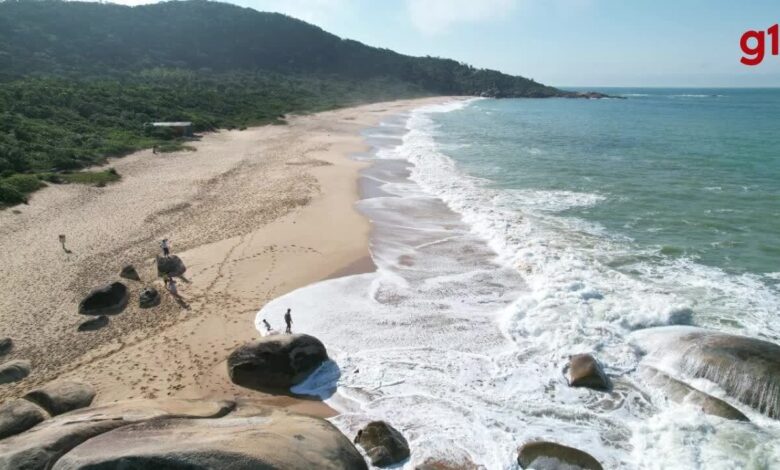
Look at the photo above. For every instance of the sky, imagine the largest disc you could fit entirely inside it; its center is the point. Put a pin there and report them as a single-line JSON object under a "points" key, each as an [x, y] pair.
{"points": [[575, 43]]}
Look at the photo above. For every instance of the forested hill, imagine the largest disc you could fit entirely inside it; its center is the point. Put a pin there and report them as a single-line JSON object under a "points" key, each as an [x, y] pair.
{"points": [[47, 37]]}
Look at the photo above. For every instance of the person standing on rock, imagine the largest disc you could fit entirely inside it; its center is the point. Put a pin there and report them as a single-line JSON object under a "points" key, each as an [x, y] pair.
{"points": [[288, 320], [166, 247]]}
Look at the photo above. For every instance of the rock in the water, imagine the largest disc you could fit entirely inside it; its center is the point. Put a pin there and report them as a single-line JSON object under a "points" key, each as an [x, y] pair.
{"points": [[18, 416], [149, 297], [276, 362], [6, 345], [14, 371], [41, 446], [265, 438], [171, 265], [584, 370], [441, 464], [383, 444], [61, 397], [681, 392], [746, 368], [94, 323], [542, 455], [128, 272], [107, 300]]}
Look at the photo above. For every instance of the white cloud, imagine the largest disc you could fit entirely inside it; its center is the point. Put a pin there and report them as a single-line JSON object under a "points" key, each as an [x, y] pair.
{"points": [[437, 16]]}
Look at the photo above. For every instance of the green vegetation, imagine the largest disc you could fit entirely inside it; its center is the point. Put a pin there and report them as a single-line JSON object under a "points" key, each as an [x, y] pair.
{"points": [[81, 81], [99, 178]]}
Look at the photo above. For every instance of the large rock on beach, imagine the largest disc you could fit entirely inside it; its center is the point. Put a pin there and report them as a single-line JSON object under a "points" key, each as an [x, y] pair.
{"points": [[584, 370], [149, 297], [6, 345], [383, 444], [94, 324], [128, 272], [276, 362], [14, 371], [543, 455], [19, 415], [748, 369], [61, 397], [107, 300], [171, 265]]}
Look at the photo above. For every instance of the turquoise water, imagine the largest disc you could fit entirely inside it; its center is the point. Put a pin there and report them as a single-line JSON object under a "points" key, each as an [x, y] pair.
{"points": [[680, 173]]}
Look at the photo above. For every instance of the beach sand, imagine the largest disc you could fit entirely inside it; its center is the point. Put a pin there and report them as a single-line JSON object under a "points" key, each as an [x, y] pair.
{"points": [[253, 214]]}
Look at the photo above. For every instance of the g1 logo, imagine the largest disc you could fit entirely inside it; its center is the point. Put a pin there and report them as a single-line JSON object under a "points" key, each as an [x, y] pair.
{"points": [[754, 53]]}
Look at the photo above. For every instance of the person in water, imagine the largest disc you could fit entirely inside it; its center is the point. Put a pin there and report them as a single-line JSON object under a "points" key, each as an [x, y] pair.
{"points": [[288, 320], [267, 325]]}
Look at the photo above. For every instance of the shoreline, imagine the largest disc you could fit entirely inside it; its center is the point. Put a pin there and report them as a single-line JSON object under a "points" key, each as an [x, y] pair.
{"points": [[254, 214]]}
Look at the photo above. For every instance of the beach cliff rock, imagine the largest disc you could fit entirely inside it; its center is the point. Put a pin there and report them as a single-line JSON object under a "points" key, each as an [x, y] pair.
{"points": [[584, 370], [171, 265], [383, 444], [276, 362], [149, 297], [6, 345], [14, 371], [550, 455], [748, 369], [18, 416], [60, 397], [128, 272], [110, 299]]}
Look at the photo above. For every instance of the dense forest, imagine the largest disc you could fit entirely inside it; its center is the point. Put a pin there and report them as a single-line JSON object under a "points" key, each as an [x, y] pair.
{"points": [[80, 81]]}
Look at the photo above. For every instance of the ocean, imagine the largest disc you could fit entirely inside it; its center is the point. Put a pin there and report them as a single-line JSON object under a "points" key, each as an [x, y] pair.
{"points": [[511, 234]]}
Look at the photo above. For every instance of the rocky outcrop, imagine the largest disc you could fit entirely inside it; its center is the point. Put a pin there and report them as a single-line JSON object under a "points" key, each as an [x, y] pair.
{"points": [[171, 265], [550, 455], [107, 300], [276, 362], [681, 392], [149, 297], [14, 371], [383, 444], [94, 324], [128, 272], [6, 345], [19, 415], [584, 370], [60, 397], [746, 368]]}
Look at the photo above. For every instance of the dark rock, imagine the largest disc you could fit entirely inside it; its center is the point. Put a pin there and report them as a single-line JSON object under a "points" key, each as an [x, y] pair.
{"points": [[584, 370], [171, 265], [149, 297], [276, 362], [261, 438], [129, 272], [19, 416], [14, 371], [6, 345], [448, 464], [383, 444], [94, 324], [41, 446], [61, 397], [107, 300], [542, 455], [746, 368]]}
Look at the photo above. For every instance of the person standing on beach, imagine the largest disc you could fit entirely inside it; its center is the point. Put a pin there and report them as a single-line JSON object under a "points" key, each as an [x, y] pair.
{"points": [[288, 320], [166, 247], [171, 285]]}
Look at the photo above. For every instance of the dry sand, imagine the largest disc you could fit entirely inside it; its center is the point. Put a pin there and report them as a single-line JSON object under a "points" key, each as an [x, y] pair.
{"points": [[253, 214]]}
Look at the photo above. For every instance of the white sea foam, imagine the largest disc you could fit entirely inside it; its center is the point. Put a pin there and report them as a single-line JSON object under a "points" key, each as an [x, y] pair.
{"points": [[480, 295]]}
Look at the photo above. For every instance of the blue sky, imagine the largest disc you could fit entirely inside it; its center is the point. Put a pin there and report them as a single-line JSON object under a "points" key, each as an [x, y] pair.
{"points": [[561, 42]]}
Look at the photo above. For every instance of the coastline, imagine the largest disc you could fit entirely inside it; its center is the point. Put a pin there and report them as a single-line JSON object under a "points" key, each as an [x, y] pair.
{"points": [[254, 214]]}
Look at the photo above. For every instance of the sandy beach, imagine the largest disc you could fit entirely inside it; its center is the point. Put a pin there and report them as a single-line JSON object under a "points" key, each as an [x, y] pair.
{"points": [[253, 214]]}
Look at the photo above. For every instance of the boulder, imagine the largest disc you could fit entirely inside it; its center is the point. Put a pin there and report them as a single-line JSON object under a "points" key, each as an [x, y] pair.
{"points": [[171, 265], [107, 300], [446, 464], [41, 446], [94, 323], [543, 455], [748, 369], [276, 362], [262, 438], [14, 371], [681, 392], [128, 272], [19, 415], [383, 444], [149, 297], [61, 397], [6, 345], [584, 370]]}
